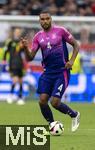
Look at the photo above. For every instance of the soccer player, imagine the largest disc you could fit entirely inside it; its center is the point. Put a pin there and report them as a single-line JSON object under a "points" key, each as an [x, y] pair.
{"points": [[55, 78], [16, 58]]}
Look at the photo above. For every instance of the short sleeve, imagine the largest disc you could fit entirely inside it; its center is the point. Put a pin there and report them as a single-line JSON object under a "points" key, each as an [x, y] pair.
{"points": [[67, 35], [35, 43]]}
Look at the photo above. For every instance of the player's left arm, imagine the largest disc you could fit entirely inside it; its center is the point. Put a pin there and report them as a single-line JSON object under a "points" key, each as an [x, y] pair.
{"points": [[72, 41], [75, 46]]}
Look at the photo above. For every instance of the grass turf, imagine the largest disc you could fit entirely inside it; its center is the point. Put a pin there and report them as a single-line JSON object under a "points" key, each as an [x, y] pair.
{"points": [[82, 139]]}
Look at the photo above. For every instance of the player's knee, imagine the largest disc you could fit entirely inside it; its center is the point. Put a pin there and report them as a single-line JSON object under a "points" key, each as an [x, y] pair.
{"points": [[15, 79], [43, 101], [55, 102], [20, 80]]}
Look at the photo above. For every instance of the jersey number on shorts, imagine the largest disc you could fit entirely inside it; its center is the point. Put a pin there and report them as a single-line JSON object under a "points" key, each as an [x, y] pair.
{"points": [[60, 87]]}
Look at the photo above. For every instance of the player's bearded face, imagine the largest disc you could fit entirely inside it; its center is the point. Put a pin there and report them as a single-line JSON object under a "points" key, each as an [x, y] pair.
{"points": [[45, 21]]}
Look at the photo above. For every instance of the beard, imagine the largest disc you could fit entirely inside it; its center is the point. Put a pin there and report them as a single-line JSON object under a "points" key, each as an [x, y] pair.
{"points": [[46, 26]]}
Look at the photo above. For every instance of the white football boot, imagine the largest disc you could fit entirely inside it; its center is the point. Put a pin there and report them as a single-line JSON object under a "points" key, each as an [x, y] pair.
{"points": [[75, 122], [10, 99], [20, 102]]}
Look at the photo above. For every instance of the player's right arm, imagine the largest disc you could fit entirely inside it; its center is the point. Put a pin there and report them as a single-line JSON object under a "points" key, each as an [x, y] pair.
{"points": [[30, 52]]}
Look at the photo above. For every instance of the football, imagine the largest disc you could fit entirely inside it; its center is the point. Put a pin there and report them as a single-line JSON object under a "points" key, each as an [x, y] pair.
{"points": [[56, 128]]}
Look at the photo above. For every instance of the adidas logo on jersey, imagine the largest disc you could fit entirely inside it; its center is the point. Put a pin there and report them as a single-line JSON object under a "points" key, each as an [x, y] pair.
{"points": [[42, 40]]}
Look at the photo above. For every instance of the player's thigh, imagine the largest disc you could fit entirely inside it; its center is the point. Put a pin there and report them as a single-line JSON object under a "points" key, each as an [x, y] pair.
{"points": [[60, 85], [20, 76], [17, 76], [19, 73], [45, 86]]}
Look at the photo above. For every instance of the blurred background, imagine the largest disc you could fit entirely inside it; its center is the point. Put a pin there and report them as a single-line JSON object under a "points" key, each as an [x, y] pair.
{"points": [[78, 17]]}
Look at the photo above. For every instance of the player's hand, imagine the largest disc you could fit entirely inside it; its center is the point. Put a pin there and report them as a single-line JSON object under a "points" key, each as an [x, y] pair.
{"points": [[23, 43], [69, 64]]}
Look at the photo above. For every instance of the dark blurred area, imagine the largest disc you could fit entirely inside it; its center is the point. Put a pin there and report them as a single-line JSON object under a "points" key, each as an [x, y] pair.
{"points": [[55, 7]]}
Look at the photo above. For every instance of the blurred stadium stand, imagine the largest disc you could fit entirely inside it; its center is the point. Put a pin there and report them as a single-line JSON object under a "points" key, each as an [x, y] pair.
{"points": [[77, 16], [56, 7]]}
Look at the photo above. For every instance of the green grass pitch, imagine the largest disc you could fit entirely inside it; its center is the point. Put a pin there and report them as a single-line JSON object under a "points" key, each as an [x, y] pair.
{"points": [[82, 139]]}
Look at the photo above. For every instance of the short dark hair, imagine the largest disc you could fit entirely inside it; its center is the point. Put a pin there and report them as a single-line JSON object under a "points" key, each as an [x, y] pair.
{"points": [[44, 12]]}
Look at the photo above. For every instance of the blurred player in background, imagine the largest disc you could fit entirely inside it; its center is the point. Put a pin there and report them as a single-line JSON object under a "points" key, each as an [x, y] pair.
{"points": [[55, 78], [16, 64]]}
